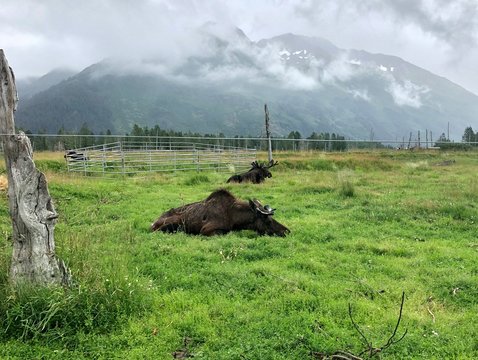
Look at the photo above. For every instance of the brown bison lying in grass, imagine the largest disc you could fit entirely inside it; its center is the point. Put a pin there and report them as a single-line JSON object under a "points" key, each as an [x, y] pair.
{"points": [[220, 213], [256, 175]]}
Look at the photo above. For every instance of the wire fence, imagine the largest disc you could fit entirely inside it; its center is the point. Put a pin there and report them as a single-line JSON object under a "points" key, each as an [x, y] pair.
{"points": [[328, 142], [325, 142], [113, 154]]}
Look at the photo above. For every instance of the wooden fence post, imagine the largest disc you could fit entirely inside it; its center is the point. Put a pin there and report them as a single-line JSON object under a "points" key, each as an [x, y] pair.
{"points": [[31, 209]]}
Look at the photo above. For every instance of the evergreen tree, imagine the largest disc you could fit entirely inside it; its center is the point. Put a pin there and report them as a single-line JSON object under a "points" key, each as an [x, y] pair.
{"points": [[442, 139], [295, 135], [86, 139], [469, 135]]}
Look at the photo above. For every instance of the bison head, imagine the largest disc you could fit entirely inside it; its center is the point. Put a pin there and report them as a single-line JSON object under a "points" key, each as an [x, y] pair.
{"points": [[264, 224], [263, 168], [266, 173]]}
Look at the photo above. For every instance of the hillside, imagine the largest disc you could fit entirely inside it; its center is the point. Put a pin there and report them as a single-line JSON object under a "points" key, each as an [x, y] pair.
{"points": [[308, 83], [31, 86]]}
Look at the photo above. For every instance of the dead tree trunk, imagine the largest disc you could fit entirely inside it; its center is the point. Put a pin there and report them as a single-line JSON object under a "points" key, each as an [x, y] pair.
{"points": [[31, 209]]}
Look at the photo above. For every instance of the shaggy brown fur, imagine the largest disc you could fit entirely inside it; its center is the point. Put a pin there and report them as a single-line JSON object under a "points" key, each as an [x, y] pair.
{"points": [[256, 175], [220, 213]]}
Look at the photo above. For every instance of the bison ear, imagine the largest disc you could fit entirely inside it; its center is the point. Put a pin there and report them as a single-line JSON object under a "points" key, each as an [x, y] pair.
{"points": [[269, 210]]}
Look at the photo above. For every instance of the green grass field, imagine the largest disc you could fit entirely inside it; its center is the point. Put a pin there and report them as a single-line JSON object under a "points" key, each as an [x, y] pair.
{"points": [[365, 227]]}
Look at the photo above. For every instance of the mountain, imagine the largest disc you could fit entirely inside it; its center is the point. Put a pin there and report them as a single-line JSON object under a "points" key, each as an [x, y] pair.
{"points": [[29, 87], [308, 83]]}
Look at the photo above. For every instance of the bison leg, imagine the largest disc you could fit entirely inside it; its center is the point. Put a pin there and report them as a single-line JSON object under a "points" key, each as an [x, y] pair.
{"points": [[212, 229], [168, 224]]}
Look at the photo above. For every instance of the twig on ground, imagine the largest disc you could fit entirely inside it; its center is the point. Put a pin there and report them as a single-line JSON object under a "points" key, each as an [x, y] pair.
{"points": [[430, 312]]}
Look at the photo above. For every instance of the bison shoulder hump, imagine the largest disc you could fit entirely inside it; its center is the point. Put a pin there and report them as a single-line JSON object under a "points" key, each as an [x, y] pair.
{"points": [[221, 194]]}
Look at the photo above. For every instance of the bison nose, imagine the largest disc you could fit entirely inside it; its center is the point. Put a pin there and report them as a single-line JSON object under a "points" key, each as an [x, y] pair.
{"points": [[283, 232]]}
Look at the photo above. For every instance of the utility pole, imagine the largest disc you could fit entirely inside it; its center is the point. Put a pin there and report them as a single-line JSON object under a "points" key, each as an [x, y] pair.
{"points": [[268, 133], [419, 139]]}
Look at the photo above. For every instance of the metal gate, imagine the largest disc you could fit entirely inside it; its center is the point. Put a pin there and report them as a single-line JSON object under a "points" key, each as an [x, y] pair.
{"points": [[126, 157]]}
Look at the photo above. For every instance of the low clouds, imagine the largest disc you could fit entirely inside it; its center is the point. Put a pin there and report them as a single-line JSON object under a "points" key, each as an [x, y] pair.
{"points": [[57, 33], [37, 36], [438, 35], [222, 54], [360, 94], [407, 93], [341, 69]]}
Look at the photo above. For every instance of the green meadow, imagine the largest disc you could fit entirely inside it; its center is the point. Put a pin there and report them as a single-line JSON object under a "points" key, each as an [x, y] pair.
{"points": [[365, 227]]}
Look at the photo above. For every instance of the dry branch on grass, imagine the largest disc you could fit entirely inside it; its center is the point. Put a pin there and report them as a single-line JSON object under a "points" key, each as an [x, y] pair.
{"points": [[370, 351]]}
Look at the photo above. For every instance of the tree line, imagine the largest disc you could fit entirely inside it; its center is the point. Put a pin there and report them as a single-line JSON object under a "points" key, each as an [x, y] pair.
{"points": [[138, 136], [469, 140]]}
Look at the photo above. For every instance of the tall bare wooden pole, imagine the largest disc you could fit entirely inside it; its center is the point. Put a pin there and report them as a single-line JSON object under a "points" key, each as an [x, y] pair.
{"points": [[31, 209], [268, 133]]}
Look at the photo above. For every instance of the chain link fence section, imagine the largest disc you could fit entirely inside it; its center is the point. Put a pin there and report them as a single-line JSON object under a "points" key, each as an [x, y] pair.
{"points": [[127, 157]]}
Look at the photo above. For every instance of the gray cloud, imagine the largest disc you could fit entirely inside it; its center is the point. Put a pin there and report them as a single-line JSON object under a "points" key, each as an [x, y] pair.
{"points": [[360, 94], [439, 35], [406, 93], [455, 22]]}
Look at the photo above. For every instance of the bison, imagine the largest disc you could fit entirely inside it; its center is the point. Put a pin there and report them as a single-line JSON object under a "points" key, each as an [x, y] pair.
{"points": [[220, 213], [256, 175]]}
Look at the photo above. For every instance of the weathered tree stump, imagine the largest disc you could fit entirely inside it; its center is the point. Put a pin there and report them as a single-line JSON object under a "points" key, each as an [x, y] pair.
{"points": [[31, 209]]}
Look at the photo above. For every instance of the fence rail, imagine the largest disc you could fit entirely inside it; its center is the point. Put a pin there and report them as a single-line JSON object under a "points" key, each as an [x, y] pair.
{"points": [[139, 157], [59, 142]]}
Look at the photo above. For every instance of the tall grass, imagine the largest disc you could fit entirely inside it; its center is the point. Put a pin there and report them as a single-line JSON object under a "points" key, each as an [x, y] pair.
{"points": [[345, 180], [364, 227]]}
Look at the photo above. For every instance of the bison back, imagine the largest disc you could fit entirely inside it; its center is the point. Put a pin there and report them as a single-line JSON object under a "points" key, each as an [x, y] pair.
{"points": [[235, 179]]}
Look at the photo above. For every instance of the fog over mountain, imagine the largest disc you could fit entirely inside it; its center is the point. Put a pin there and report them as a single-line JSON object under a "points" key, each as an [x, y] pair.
{"points": [[222, 81], [38, 36]]}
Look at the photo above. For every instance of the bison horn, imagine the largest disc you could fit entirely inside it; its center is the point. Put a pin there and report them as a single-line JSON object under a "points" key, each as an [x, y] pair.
{"points": [[255, 165], [266, 210], [271, 164]]}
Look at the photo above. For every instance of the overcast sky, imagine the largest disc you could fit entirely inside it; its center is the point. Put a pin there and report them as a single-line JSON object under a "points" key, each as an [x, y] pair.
{"points": [[40, 35]]}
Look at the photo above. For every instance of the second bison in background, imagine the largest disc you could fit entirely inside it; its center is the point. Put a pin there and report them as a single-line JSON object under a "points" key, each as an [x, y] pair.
{"points": [[256, 175], [220, 213]]}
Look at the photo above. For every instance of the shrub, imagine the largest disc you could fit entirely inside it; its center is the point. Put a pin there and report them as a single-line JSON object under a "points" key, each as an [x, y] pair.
{"points": [[346, 186], [197, 179], [50, 165]]}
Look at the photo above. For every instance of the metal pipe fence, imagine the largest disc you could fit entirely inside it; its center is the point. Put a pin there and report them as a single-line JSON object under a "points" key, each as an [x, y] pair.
{"points": [[140, 157]]}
